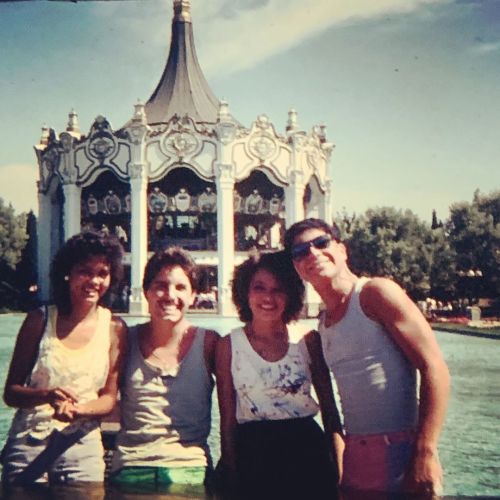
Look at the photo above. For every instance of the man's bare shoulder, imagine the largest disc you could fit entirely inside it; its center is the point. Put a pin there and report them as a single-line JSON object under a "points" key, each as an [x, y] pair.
{"points": [[379, 294], [381, 289]]}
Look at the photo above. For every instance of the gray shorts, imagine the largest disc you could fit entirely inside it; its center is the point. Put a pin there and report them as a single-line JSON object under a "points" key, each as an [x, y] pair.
{"points": [[62, 457]]}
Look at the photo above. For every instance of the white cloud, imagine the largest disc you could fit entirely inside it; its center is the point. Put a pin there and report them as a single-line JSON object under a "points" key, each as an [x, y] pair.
{"points": [[485, 47], [239, 34], [18, 186]]}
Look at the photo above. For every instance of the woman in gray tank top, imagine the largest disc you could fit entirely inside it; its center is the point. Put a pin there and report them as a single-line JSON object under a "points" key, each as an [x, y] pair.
{"points": [[167, 386]]}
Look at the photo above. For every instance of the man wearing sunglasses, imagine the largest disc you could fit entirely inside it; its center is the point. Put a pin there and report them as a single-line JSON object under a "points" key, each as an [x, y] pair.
{"points": [[374, 340]]}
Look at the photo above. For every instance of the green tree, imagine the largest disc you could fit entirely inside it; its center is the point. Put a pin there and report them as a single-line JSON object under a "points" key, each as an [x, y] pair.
{"points": [[26, 269], [389, 242], [12, 234], [12, 241], [474, 234], [443, 273]]}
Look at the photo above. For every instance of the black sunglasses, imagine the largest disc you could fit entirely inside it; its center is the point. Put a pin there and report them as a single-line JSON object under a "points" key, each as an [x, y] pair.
{"points": [[301, 250]]}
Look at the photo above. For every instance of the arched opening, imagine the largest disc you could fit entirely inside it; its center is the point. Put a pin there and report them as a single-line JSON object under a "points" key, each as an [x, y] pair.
{"points": [[259, 213], [106, 207], [182, 210], [312, 199]]}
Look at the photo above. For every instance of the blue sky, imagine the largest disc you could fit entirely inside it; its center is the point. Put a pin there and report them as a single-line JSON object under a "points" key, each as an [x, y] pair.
{"points": [[409, 89]]}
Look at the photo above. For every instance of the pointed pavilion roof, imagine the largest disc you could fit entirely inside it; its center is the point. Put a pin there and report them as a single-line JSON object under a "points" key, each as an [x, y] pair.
{"points": [[183, 88]]}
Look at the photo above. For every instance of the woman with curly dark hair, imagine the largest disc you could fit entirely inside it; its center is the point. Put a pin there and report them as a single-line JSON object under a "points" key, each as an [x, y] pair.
{"points": [[271, 446], [64, 370]]}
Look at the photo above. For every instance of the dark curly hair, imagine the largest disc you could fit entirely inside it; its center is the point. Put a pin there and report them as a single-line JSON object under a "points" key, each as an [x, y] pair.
{"points": [[299, 227], [76, 250], [170, 257], [282, 269]]}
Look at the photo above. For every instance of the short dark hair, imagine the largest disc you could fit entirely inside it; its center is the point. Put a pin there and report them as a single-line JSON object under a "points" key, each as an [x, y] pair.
{"points": [[76, 250], [299, 227], [282, 269], [171, 257]]}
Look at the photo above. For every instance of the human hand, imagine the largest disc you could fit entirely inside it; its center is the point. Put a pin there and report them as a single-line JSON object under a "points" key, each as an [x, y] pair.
{"points": [[425, 475], [65, 411], [58, 394]]}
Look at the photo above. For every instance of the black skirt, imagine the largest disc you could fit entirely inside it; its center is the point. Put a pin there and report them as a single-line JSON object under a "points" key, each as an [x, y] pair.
{"points": [[284, 459]]}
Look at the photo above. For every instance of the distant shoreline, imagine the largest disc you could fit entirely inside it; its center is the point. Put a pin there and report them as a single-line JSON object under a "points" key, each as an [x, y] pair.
{"points": [[471, 331], [444, 327]]}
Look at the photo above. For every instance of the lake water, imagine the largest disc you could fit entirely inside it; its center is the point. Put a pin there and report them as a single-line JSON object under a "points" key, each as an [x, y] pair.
{"points": [[470, 443]]}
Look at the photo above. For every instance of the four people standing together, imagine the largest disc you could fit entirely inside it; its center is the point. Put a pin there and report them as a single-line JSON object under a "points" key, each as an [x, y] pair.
{"points": [[272, 373]]}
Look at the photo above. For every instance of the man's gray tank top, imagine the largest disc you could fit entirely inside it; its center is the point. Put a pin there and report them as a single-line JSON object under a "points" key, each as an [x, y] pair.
{"points": [[165, 417], [375, 380]]}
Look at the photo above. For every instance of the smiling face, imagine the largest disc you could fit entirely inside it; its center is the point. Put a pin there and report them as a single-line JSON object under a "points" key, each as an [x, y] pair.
{"points": [[320, 263], [170, 294], [267, 298], [89, 280]]}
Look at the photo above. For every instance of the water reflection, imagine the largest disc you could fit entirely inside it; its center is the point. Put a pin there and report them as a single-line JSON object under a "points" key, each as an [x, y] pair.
{"points": [[87, 491], [90, 491]]}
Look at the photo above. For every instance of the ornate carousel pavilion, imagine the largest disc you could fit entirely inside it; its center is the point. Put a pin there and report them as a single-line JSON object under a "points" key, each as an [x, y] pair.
{"points": [[182, 171]]}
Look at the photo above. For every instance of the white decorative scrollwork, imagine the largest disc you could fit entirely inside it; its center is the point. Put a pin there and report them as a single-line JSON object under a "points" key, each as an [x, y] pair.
{"points": [[225, 172], [102, 147], [263, 122], [298, 141], [327, 148], [226, 132], [262, 145], [50, 160], [102, 143], [180, 144], [313, 157], [137, 170], [66, 142]]}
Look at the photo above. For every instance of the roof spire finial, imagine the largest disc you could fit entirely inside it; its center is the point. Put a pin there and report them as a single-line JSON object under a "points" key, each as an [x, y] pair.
{"points": [[182, 88], [73, 125], [44, 139], [182, 11], [292, 123]]}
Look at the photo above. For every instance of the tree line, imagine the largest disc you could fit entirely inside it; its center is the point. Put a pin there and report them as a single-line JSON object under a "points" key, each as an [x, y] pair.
{"points": [[452, 260], [18, 261]]}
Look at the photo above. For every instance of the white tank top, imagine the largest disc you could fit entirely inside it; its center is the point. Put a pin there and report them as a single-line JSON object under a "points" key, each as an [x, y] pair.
{"points": [[269, 390], [84, 371], [375, 380]]}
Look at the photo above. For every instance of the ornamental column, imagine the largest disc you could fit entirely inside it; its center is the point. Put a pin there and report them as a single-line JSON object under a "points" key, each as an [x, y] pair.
{"points": [[225, 237], [44, 245], [139, 210], [71, 210], [294, 192], [325, 204], [294, 197], [224, 181], [72, 192], [326, 207]]}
